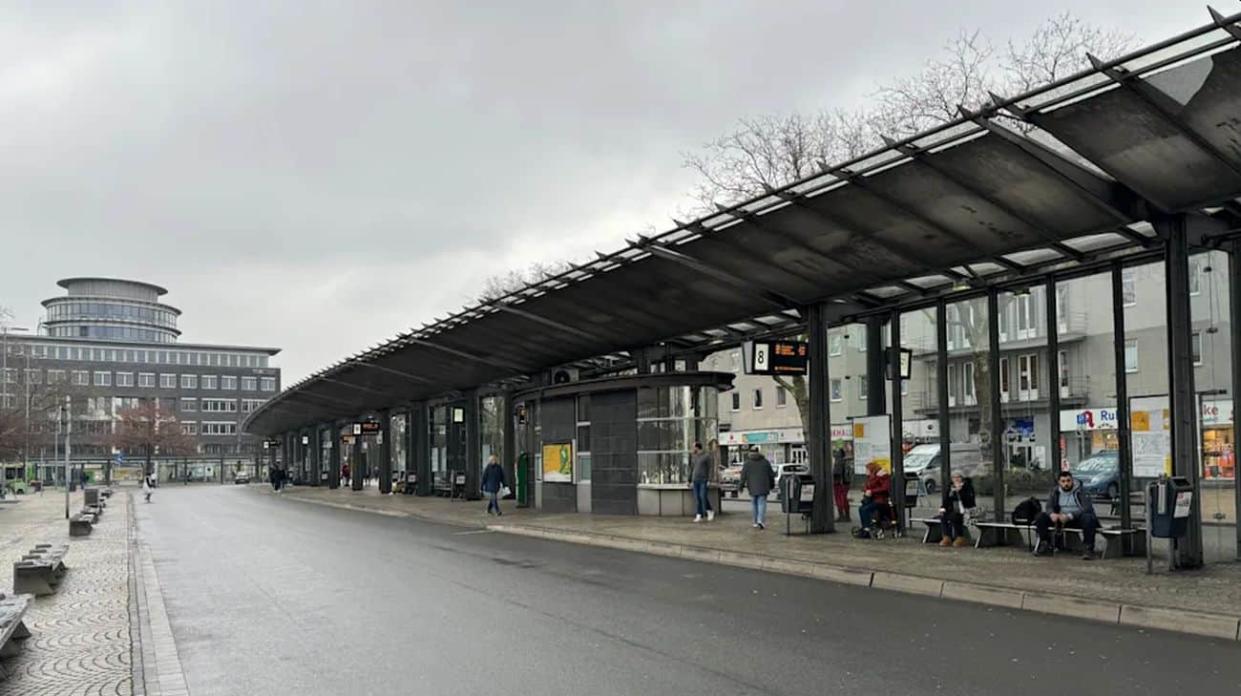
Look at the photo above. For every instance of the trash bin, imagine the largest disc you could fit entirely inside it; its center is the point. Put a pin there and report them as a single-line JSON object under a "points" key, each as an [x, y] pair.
{"points": [[1170, 501], [411, 483], [796, 494]]}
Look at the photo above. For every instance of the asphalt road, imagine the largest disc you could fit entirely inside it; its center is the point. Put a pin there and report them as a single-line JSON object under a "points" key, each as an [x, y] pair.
{"points": [[273, 596]]}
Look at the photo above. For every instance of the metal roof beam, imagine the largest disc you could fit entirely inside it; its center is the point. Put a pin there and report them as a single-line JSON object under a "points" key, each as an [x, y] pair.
{"points": [[1223, 23], [770, 296], [861, 182], [502, 364], [550, 323], [1156, 101], [919, 156], [399, 373]]}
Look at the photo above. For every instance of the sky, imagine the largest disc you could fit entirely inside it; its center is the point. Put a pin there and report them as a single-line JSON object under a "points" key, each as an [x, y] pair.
{"points": [[318, 176]]}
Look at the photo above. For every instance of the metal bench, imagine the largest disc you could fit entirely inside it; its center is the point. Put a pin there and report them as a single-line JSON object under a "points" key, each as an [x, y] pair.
{"points": [[1004, 534], [935, 531], [81, 524], [1113, 539], [40, 571], [12, 629]]}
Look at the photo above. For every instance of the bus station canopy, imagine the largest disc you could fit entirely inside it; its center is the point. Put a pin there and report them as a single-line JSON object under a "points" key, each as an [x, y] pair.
{"points": [[1068, 175]]}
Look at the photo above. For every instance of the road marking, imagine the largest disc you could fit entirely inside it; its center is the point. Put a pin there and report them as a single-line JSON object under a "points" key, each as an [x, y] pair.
{"points": [[473, 531]]}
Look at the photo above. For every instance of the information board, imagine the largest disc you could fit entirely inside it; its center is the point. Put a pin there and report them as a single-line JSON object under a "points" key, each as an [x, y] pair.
{"points": [[558, 462], [778, 357], [872, 442]]}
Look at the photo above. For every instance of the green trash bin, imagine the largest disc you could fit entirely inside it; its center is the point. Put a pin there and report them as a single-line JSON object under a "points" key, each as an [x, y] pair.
{"points": [[523, 479]]}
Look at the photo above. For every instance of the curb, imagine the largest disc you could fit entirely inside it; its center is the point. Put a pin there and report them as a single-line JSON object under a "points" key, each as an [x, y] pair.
{"points": [[1219, 626]]}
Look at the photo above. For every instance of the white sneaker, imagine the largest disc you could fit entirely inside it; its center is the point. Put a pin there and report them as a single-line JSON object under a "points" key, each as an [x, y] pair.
{"points": [[710, 515], [755, 525], [697, 518]]}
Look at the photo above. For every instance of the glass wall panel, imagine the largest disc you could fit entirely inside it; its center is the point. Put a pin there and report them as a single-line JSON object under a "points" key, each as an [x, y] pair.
{"points": [[920, 417], [670, 420]]}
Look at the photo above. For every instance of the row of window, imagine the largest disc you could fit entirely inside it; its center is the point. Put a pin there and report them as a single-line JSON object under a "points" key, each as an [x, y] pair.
{"points": [[190, 404], [112, 333], [141, 355], [63, 311], [147, 380], [209, 428]]}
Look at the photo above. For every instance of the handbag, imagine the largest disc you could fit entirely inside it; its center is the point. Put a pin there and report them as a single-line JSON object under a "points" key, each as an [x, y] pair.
{"points": [[505, 492]]}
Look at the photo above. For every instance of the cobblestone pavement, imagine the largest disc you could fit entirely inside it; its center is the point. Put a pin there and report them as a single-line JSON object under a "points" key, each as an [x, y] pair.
{"points": [[80, 642]]}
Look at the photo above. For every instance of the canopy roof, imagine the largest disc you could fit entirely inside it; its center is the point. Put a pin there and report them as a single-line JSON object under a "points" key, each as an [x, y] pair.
{"points": [[1056, 178]]}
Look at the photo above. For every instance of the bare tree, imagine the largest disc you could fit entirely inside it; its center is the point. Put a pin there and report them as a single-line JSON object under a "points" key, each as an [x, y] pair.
{"points": [[148, 429], [498, 286], [773, 151]]}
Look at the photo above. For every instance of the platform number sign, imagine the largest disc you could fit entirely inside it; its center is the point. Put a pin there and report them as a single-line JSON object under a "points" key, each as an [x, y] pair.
{"points": [[778, 357]]}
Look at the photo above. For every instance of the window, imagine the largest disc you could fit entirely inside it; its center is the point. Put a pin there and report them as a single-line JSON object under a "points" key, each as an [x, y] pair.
{"points": [[219, 405], [34, 376], [735, 357], [124, 379], [862, 391], [1026, 319], [250, 405], [1062, 308], [952, 385], [1195, 347], [1027, 377], [1062, 364], [189, 381], [1128, 288], [189, 427], [835, 346], [267, 384], [228, 383], [1131, 355], [1004, 380], [968, 393], [167, 381], [904, 387], [736, 405], [10, 375], [758, 399], [782, 397], [1195, 277], [249, 383], [81, 378], [56, 377], [210, 382], [146, 380], [218, 428], [836, 387], [188, 405]]}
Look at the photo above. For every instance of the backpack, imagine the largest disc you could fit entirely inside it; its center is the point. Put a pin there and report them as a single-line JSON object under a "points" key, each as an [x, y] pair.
{"points": [[1027, 510]]}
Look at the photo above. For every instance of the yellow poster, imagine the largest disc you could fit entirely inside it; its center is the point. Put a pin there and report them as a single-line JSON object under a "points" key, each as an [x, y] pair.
{"points": [[859, 430], [558, 462], [1141, 421]]}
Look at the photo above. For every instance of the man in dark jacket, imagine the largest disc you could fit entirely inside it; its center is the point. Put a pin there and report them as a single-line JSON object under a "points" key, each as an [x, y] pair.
{"points": [[700, 464], [1068, 505], [758, 478], [493, 481], [958, 499]]}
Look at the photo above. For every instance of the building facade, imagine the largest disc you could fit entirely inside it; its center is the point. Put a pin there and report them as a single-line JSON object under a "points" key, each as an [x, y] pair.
{"points": [[109, 345]]}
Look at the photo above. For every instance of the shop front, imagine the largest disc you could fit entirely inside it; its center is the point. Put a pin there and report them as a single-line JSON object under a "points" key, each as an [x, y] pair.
{"points": [[1219, 460], [620, 445]]}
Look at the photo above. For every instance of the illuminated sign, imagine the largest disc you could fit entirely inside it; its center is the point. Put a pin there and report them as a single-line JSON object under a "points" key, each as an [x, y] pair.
{"points": [[366, 428], [778, 357]]}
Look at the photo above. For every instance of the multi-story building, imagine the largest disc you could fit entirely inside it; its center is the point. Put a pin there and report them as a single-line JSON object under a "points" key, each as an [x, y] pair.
{"points": [[760, 411], [109, 345]]}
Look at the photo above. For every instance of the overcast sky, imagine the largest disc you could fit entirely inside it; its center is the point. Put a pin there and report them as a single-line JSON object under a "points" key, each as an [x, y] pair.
{"points": [[319, 176]]}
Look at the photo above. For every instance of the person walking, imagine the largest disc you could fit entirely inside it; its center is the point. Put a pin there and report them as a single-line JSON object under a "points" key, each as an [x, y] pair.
{"points": [[700, 475], [146, 488], [758, 478], [344, 475], [493, 483]]}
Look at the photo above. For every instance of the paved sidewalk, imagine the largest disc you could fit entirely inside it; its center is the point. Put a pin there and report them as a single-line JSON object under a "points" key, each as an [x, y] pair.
{"points": [[80, 642], [1215, 590]]}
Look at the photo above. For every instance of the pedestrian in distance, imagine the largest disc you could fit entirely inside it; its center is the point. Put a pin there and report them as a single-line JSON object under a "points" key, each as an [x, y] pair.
{"points": [[344, 475], [1068, 505], [700, 463], [842, 478], [958, 500], [875, 496], [758, 478], [493, 484], [146, 488]]}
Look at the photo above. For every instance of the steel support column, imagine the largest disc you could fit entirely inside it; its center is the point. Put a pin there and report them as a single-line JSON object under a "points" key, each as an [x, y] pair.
{"points": [[996, 426], [420, 446], [473, 447], [1234, 310], [898, 413], [385, 452], [316, 456], [1053, 376], [356, 473], [333, 473], [508, 455], [1123, 424], [876, 396], [818, 439], [1183, 401], [941, 385]]}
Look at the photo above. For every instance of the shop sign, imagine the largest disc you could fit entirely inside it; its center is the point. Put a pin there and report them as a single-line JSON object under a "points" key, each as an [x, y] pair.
{"points": [[366, 428], [1088, 419], [793, 436], [1217, 412]]}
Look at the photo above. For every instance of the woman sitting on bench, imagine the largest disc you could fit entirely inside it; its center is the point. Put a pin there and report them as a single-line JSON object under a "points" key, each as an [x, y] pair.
{"points": [[958, 498]]}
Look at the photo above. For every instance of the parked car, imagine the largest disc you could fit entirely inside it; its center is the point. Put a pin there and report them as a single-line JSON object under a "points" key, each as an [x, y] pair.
{"points": [[781, 470], [1099, 473], [241, 477], [730, 480], [924, 461]]}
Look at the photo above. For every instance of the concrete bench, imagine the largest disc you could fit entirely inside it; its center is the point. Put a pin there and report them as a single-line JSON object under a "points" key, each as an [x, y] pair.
{"points": [[81, 524], [95, 510], [40, 571], [12, 629]]}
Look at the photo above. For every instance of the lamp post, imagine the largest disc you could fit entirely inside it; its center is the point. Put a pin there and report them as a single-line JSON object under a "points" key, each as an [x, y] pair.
{"points": [[68, 427]]}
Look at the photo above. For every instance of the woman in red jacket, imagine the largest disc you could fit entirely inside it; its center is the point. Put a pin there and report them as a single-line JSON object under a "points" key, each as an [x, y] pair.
{"points": [[875, 493]]}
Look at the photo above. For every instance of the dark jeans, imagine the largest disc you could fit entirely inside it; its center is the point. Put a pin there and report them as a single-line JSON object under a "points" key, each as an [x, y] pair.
{"points": [[493, 501], [701, 498], [869, 510], [952, 524], [1086, 522]]}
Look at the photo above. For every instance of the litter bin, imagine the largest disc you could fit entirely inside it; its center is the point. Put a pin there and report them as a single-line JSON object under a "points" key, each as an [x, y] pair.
{"points": [[1169, 503], [411, 483], [796, 497]]}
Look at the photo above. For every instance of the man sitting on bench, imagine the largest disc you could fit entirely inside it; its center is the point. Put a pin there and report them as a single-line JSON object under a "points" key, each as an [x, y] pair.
{"points": [[1067, 506]]}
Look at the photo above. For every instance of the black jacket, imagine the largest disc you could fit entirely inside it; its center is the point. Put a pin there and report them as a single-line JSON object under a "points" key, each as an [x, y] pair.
{"points": [[965, 496], [757, 476], [493, 478]]}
